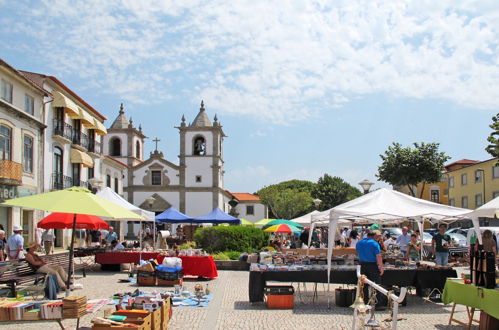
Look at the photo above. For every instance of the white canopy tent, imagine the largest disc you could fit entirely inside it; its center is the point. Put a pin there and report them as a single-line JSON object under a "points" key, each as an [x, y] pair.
{"points": [[112, 196], [386, 204], [487, 210]]}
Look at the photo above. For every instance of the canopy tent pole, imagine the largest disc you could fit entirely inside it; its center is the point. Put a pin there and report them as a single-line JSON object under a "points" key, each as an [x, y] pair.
{"points": [[310, 236], [420, 221], [71, 252], [333, 224], [476, 226]]}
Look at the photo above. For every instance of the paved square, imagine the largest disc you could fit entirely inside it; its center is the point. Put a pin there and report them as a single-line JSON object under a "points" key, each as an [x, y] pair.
{"points": [[230, 308]]}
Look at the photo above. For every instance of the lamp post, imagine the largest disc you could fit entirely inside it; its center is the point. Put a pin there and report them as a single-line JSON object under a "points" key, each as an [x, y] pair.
{"points": [[150, 201], [317, 203], [366, 185], [233, 203], [483, 181]]}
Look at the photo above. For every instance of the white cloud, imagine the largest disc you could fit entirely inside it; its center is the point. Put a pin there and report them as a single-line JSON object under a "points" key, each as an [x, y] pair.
{"points": [[278, 61]]}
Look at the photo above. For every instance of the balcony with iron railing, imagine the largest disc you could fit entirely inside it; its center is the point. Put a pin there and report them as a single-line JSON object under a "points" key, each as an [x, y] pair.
{"points": [[94, 146], [60, 181], [11, 173], [76, 137], [63, 129]]}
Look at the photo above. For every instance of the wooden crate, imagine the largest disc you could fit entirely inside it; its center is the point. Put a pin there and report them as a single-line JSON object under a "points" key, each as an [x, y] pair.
{"points": [[146, 281], [160, 282], [165, 314]]}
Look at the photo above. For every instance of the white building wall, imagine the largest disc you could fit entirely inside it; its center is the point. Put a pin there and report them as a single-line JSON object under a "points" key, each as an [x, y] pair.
{"points": [[198, 203], [171, 173], [171, 197], [260, 211], [123, 138], [199, 166]]}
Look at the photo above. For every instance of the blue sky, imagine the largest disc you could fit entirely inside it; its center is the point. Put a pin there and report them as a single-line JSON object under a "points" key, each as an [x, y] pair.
{"points": [[302, 88]]}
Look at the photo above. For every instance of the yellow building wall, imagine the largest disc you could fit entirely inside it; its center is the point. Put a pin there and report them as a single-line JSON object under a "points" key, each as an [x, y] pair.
{"points": [[472, 188], [441, 187]]}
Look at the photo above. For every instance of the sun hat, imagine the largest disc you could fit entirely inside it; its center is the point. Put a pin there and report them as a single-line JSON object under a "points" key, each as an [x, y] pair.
{"points": [[377, 232], [32, 245], [17, 228], [374, 227]]}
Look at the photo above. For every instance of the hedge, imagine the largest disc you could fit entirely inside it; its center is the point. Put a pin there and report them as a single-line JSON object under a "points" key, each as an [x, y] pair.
{"points": [[232, 238]]}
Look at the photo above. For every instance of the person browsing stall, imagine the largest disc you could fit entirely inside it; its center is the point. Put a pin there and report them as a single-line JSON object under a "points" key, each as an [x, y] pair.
{"points": [[440, 246], [371, 263], [413, 248], [403, 239]]}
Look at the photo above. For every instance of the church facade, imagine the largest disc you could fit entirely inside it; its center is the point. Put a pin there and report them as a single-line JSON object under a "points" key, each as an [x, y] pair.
{"points": [[195, 186]]}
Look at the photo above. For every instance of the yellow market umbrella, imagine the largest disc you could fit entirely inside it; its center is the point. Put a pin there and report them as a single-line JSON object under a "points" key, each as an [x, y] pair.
{"points": [[245, 222], [74, 200], [263, 222]]}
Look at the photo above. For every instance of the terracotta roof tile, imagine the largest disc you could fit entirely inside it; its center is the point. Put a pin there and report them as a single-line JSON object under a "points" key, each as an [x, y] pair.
{"points": [[246, 197]]}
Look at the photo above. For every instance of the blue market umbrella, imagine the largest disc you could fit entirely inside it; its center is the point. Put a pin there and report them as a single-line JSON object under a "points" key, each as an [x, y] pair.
{"points": [[172, 215], [217, 216]]}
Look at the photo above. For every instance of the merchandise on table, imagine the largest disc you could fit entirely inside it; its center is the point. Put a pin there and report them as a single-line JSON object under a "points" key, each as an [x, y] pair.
{"points": [[169, 273]]}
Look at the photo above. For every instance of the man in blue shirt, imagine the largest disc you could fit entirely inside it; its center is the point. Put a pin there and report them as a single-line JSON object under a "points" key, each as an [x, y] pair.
{"points": [[404, 239], [371, 263], [15, 244], [111, 236]]}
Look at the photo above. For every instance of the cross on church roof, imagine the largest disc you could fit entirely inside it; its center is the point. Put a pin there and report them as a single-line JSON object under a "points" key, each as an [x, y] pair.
{"points": [[156, 140]]}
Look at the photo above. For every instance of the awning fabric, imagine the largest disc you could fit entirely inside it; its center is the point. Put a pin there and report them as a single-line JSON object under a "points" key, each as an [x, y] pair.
{"points": [[110, 195], [172, 215], [217, 216], [85, 117], [99, 127], [62, 101], [80, 157]]}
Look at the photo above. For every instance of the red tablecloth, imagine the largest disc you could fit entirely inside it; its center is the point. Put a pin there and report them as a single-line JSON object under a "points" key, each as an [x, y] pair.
{"points": [[196, 266], [114, 258]]}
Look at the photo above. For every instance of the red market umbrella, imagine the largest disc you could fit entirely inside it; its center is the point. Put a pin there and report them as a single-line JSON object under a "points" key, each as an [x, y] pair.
{"points": [[65, 220]]}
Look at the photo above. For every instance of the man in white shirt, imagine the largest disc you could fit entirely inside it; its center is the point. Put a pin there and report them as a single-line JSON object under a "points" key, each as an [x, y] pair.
{"points": [[403, 239]]}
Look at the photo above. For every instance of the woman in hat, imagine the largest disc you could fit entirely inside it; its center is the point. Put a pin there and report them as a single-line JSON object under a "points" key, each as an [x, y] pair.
{"points": [[40, 266]]}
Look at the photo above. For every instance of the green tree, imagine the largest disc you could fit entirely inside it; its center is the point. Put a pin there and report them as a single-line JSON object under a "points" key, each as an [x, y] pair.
{"points": [[407, 166], [493, 147], [288, 199], [333, 190]]}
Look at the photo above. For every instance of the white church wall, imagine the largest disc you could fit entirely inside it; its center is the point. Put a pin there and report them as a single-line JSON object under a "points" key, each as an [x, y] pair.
{"points": [[189, 141], [198, 203], [122, 137], [171, 197], [198, 166], [171, 173]]}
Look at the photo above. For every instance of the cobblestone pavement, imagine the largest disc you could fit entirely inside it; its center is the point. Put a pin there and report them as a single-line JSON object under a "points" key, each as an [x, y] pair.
{"points": [[230, 308]]}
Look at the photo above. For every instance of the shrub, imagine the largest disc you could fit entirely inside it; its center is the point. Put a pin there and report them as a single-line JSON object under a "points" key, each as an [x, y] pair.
{"points": [[233, 255], [232, 238], [220, 256], [188, 245]]}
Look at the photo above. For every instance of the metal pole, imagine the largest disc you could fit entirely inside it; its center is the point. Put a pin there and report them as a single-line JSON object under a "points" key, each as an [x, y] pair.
{"points": [[396, 300], [71, 253]]}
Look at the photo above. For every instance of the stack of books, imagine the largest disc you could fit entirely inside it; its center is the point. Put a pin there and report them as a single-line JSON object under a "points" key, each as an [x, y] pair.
{"points": [[51, 310], [74, 307]]}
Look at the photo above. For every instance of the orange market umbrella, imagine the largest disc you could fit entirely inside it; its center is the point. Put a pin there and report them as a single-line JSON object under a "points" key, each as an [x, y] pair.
{"points": [[65, 220]]}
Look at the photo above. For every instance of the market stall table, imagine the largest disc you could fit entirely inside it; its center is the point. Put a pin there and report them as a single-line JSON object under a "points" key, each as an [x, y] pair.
{"points": [[346, 275], [201, 266], [487, 300], [125, 257]]}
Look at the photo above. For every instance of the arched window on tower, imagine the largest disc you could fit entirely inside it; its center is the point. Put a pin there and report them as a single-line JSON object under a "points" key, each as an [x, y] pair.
{"points": [[115, 147], [199, 147], [137, 150]]}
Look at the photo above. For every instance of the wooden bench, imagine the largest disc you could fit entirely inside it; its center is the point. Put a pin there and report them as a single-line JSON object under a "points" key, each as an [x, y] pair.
{"points": [[19, 272]]}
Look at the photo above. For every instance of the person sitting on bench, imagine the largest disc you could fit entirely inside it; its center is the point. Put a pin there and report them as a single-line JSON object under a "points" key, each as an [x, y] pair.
{"points": [[40, 266]]}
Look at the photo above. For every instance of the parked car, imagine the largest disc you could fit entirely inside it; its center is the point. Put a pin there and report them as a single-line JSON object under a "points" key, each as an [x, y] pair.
{"points": [[427, 237], [393, 231], [461, 231], [458, 239], [431, 231]]}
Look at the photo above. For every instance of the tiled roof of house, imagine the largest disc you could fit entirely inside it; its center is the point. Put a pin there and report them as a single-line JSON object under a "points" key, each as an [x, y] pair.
{"points": [[246, 197]]}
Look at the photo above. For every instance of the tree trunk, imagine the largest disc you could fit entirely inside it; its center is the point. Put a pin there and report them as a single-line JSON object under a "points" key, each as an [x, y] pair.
{"points": [[422, 189], [411, 191]]}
